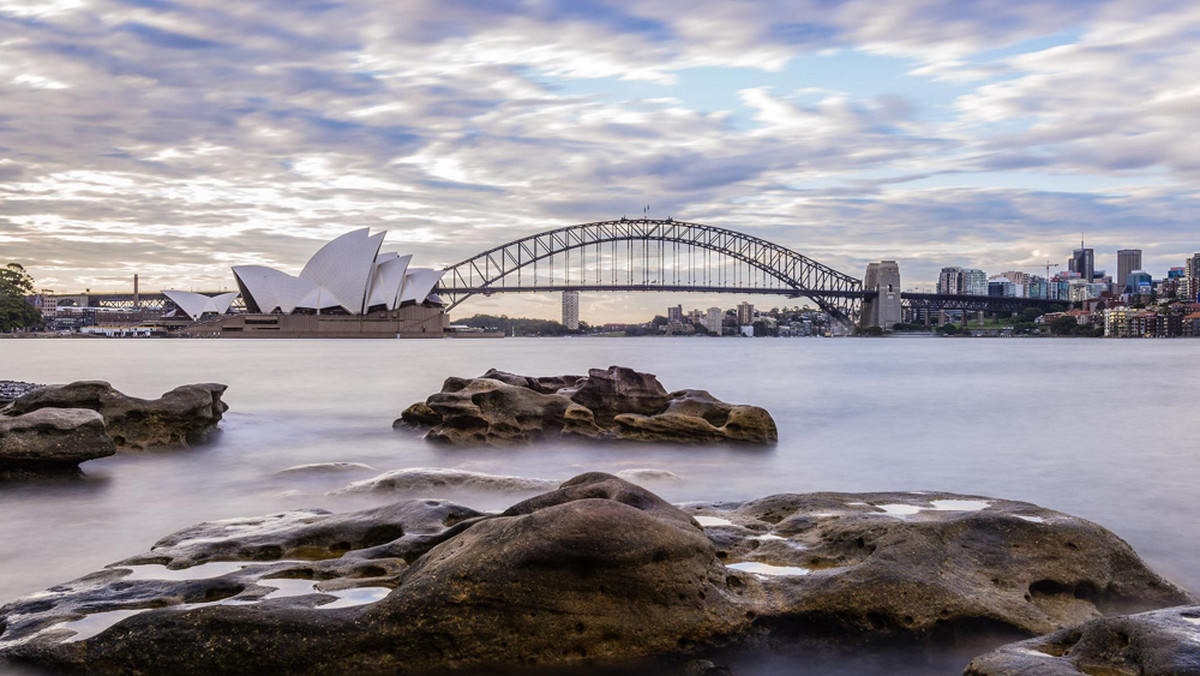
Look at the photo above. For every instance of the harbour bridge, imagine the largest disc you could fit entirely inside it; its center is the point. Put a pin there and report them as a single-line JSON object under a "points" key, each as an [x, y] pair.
{"points": [[646, 254]]}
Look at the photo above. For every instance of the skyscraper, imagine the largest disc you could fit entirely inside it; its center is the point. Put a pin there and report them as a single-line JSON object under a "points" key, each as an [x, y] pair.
{"points": [[950, 281], [570, 310], [1128, 260], [1083, 261], [1191, 275], [675, 314]]}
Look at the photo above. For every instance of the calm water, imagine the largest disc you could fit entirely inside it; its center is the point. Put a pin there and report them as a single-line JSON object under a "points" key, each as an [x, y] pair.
{"points": [[1101, 429]]}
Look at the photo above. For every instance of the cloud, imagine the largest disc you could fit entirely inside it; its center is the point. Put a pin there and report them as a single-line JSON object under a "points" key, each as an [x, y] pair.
{"points": [[179, 137]]}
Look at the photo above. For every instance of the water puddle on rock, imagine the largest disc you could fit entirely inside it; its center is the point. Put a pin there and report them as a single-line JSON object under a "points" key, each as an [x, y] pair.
{"points": [[707, 521], [1031, 519], [96, 622], [759, 568], [901, 509]]}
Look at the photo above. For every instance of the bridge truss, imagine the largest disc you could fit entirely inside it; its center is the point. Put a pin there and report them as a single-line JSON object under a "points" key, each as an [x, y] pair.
{"points": [[935, 301], [650, 255]]}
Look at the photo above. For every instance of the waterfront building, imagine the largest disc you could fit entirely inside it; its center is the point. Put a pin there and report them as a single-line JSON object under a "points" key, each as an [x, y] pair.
{"points": [[675, 314], [349, 275], [1083, 261], [950, 281], [570, 310], [975, 282], [714, 319], [1128, 260], [196, 305], [745, 314]]}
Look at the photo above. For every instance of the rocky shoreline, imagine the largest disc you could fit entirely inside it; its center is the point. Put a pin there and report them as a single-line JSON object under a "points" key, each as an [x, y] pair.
{"points": [[48, 430], [600, 573]]}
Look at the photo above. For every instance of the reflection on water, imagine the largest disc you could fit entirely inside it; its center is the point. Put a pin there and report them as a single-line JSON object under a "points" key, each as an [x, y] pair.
{"points": [[1101, 429]]}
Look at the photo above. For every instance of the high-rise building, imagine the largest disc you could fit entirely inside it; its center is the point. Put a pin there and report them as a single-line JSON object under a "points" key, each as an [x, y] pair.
{"points": [[570, 310], [1083, 261], [745, 312], [1191, 274], [950, 281], [1128, 260], [714, 319], [675, 314], [975, 282]]}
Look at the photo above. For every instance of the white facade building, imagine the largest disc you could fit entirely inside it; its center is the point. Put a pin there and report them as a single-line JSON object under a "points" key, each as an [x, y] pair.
{"points": [[348, 274]]}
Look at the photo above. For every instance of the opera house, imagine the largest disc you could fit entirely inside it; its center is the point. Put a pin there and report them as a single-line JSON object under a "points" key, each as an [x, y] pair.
{"points": [[349, 288]]}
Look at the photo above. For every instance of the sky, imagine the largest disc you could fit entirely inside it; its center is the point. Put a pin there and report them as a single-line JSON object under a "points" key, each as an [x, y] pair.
{"points": [[174, 139]]}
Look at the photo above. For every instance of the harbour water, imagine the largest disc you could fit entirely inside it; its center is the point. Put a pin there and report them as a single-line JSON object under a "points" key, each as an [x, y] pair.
{"points": [[1101, 429]]}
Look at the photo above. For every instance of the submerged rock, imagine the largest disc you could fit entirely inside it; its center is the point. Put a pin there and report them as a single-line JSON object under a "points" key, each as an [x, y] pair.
{"points": [[929, 566], [426, 478], [503, 409], [326, 468], [183, 416], [1157, 643], [51, 440], [598, 573]]}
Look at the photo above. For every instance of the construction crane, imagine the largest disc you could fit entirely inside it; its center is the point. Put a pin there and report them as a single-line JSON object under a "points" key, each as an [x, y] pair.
{"points": [[1048, 266]]}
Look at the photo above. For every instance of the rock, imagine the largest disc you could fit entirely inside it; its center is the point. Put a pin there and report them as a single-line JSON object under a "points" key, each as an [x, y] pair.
{"points": [[599, 573], [618, 390], [183, 416], [640, 475], [503, 409], [1158, 643], [11, 389], [933, 567], [427, 478], [327, 467], [51, 440]]}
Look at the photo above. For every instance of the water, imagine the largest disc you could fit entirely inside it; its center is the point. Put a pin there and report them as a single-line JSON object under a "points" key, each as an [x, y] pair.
{"points": [[1097, 428]]}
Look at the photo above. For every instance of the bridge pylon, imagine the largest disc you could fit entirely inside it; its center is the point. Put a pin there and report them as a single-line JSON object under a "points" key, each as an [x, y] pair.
{"points": [[881, 288]]}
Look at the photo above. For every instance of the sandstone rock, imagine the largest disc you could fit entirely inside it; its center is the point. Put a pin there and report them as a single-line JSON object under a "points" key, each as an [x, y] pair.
{"points": [[185, 415], [504, 409], [1158, 643], [598, 573], [51, 440], [929, 566], [601, 573], [427, 478]]}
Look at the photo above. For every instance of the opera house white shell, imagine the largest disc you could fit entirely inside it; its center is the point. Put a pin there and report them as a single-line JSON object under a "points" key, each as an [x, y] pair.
{"points": [[196, 305], [348, 274]]}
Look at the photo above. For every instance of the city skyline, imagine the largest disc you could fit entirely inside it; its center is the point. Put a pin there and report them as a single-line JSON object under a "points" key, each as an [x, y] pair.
{"points": [[175, 140]]}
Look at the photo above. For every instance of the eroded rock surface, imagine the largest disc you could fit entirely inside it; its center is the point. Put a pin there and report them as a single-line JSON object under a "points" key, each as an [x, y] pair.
{"points": [[429, 478], [1156, 643], [183, 416], [598, 573], [929, 566], [51, 440], [616, 403]]}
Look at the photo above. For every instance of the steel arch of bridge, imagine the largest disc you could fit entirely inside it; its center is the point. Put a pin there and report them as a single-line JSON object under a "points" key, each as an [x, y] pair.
{"points": [[503, 268]]}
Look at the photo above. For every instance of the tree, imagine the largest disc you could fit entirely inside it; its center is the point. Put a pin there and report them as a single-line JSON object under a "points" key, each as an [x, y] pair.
{"points": [[15, 311], [1063, 326], [1030, 313]]}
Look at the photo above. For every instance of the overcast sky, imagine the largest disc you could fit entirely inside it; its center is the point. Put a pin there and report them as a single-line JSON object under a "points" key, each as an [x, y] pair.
{"points": [[174, 139]]}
